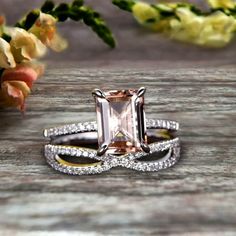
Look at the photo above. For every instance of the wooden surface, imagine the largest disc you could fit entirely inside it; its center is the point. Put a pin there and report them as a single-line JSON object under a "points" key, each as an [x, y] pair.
{"points": [[193, 86]]}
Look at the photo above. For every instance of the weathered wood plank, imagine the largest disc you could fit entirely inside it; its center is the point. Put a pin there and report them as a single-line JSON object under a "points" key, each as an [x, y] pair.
{"points": [[112, 214], [192, 85], [195, 197]]}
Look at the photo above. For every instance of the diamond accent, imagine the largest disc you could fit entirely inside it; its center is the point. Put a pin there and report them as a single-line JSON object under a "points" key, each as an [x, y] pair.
{"points": [[92, 126], [108, 161]]}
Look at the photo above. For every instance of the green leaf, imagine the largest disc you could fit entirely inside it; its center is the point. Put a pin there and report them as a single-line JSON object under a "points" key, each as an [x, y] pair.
{"points": [[1, 71], [75, 14], [62, 7], [75, 11], [62, 12], [97, 24], [6, 37], [105, 34], [150, 21], [19, 25], [124, 4], [62, 16], [47, 6], [30, 19], [77, 3]]}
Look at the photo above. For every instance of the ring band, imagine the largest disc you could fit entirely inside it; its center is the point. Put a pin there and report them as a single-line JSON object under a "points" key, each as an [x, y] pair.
{"points": [[87, 160], [92, 126]]}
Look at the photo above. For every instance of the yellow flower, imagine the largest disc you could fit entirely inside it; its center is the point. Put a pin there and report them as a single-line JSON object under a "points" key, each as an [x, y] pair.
{"points": [[218, 30], [6, 57], [187, 27], [144, 13], [222, 3], [45, 29], [215, 30], [25, 45]]}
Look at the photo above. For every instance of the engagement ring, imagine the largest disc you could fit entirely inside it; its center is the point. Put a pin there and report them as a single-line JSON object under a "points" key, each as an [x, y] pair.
{"points": [[122, 136]]}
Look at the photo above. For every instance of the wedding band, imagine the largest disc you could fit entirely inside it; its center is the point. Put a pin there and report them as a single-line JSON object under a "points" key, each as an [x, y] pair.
{"points": [[122, 135]]}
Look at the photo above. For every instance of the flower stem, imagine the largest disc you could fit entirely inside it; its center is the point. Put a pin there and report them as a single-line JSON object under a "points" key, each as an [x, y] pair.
{"points": [[125, 5], [75, 11]]}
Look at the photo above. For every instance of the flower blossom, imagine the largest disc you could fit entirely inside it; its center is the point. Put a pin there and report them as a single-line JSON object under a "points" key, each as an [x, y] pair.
{"points": [[222, 3], [144, 13], [6, 57], [215, 30], [45, 29], [13, 94], [25, 45], [16, 84]]}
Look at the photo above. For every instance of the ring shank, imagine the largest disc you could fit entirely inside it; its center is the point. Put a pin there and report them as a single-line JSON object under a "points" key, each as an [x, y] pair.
{"points": [[92, 126], [103, 163], [80, 140], [91, 138]]}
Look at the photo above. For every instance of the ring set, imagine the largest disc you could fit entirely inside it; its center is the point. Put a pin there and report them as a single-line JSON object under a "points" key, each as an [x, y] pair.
{"points": [[122, 136]]}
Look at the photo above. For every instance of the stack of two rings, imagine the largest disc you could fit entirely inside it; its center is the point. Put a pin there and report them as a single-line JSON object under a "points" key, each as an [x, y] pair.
{"points": [[122, 136]]}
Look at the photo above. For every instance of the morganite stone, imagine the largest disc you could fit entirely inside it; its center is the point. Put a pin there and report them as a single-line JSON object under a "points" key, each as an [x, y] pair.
{"points": [[121, 121]]}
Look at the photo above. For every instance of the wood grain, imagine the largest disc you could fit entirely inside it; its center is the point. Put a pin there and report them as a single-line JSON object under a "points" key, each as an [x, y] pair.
{"points": [[196, 197], [192, 85], [134, 43]]}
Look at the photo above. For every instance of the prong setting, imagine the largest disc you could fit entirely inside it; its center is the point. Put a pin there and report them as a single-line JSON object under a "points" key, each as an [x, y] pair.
{"points": [[141, 92], [102, 149], [145, 147], [98, 93]]}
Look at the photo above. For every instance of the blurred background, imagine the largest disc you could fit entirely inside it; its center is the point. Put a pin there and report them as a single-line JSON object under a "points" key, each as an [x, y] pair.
{"points": [[197, 197], [134, 42]]}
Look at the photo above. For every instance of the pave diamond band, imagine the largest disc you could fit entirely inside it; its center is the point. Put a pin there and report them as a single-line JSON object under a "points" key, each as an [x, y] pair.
{"points": [[92, 126], [108, 161]]}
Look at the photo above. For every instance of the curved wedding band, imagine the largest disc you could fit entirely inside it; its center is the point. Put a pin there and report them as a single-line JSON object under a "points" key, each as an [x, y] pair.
{"points": [[71, 148]]}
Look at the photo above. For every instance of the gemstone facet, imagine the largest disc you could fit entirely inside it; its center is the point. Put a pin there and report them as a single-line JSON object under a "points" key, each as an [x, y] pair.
{"points": [[121, 121]]}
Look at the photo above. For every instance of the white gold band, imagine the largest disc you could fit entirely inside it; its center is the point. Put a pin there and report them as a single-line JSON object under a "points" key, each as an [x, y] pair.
{"points": [[92, 126], [108, 161]]}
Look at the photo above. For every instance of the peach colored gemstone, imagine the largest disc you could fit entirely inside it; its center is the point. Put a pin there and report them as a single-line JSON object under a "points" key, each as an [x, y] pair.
{"points": [[121, 121]]}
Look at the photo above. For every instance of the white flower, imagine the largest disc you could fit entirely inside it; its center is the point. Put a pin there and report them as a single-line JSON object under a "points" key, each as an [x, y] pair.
{"points": [[6, 57], [45, 29], [25, 45]]}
